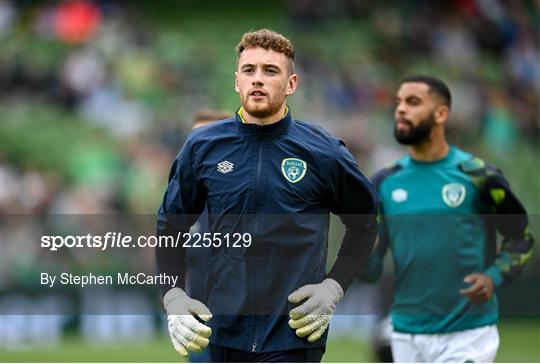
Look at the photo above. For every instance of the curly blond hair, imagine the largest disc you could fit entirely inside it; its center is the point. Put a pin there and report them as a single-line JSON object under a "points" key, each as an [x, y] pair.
{"points": [[267, 39]]}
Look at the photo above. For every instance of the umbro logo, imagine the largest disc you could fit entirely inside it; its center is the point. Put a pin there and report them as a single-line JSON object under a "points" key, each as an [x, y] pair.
{"points": [[225, 167], [399, 195]]}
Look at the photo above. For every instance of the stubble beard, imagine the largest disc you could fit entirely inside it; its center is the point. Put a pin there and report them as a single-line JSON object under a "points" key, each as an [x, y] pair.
{"points": [[262, 110]]}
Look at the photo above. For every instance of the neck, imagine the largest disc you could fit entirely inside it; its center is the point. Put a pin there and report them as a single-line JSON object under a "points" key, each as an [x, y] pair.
{"points": [[274, 118], [432, 149]]}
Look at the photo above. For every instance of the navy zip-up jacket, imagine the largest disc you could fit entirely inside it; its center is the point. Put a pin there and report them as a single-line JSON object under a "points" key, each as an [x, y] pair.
{"points": [[277, 182]]}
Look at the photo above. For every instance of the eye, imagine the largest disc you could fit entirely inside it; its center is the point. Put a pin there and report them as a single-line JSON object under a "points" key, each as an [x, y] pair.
{"points": [[413, 101]]}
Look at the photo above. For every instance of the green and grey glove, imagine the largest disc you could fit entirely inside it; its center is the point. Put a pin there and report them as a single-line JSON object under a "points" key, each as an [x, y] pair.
{"points": [[313, 316], [187, 333]]}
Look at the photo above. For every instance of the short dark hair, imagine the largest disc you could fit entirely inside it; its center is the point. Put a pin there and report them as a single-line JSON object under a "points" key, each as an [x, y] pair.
{"points": [[435, 85]]}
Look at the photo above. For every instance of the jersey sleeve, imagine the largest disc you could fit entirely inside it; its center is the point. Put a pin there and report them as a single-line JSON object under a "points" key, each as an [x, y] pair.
{"points": [[374, 267], [510, 219], [354, 199], [183, 202]]}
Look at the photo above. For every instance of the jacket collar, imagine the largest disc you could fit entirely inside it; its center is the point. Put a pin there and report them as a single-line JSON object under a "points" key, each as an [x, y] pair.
{"points": [[279, 127]]}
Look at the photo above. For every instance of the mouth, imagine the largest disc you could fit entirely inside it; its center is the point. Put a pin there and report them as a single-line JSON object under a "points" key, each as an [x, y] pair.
{"points": [[403, 123], [257, 94]]}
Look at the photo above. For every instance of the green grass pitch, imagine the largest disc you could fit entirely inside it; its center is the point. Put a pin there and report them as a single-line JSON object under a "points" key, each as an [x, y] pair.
{"points": [[520, 342]]}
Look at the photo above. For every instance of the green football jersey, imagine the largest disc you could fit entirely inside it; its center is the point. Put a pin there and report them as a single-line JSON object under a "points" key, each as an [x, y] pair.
{"points": [[439, 221]]}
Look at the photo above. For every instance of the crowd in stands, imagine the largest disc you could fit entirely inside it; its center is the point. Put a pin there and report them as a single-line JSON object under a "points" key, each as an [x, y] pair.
{"points": [[102, 63]]}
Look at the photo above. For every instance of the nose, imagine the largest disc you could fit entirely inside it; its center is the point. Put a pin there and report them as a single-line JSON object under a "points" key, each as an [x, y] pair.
{"points": [[400, 109], [257, 79]]}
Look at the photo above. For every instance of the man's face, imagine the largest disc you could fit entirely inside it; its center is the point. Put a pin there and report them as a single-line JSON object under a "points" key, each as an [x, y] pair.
{"points": [[414, 113], [263, 81]]}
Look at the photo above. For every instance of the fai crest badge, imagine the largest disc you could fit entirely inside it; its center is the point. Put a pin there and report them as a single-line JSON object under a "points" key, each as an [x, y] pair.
{"points": [[453, 194], [293, 169]]}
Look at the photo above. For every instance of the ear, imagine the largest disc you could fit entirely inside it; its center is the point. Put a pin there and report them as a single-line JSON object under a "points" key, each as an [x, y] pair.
{"points": [[291, 85], [236, 87], [441, 114]]}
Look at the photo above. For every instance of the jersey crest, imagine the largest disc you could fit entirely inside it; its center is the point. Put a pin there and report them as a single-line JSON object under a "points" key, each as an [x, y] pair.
{"points": [[453, 194], [293, 169]]}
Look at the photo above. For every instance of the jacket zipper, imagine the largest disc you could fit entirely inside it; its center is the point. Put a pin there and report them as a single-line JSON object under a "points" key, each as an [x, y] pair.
{"points": [[259, 169]]}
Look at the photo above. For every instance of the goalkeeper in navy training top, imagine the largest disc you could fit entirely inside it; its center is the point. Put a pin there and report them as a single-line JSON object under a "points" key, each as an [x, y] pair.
{"points": [[442, 209], [275, 179]]}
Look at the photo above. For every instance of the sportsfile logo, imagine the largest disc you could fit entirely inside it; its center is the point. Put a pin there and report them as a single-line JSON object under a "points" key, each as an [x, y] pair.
{"points": [[225, 167]]}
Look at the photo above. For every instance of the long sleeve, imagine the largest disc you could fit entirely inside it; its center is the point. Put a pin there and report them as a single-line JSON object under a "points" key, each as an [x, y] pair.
{"points": [[510, 220], [183, 202], [374, 267], [355, 201]]}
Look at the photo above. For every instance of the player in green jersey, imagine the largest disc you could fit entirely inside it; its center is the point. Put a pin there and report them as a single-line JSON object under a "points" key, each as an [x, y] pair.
{"points": [[442, 208]]}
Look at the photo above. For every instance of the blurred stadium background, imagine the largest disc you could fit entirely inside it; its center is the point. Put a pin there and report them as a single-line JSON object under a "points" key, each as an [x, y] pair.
{"points": [[97, 97]]}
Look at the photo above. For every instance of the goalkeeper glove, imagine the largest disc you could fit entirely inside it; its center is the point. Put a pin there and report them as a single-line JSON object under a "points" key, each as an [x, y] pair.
{"points": [[313, 316], [187, 333]]}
